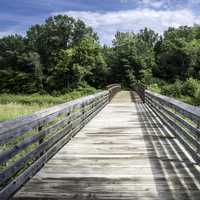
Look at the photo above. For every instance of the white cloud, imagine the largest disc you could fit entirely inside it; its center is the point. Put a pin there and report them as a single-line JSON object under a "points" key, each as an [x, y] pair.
{"points": [[5, 33], [107, 23], [153, 3], [12, 31]]}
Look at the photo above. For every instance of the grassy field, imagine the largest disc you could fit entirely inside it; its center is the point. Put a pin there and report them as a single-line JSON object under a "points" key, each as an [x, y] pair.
{"points": [[12, 106], [12, 110]]}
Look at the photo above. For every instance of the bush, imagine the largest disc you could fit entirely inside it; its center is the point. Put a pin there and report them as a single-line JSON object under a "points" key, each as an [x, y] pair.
{"points": [[190, 87], [155, 88], [156, 84], [174, 90], [197, 97], [158, 81]]}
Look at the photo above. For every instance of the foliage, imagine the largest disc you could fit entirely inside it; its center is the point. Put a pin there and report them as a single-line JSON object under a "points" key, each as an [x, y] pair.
{"points": [[12, 106], [190, 86], [133, 57], [83, 62], [177, 54], [12, 110], [196, 98], [37, 62], [187, 91], [46, 99], [63, 54], [174, 90]]}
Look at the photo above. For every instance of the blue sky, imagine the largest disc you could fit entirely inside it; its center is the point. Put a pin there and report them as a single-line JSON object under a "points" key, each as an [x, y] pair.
{"points": [[105, 16]]}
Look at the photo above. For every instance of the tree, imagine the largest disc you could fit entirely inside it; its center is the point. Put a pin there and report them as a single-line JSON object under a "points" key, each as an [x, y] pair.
{"points": [[149, 37], [172, 59], [21, 71], [133, 57], [58, 33], [82, 62]]}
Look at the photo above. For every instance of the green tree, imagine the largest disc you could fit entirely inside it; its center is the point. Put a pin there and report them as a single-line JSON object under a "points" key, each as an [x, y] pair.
{"points": [[172, 58], [82, 62], [21, 71]]}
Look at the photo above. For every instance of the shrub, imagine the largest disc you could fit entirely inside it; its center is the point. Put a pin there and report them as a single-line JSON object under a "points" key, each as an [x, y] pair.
{"points": [[190, 87], [197, 97], [155, 88], [158, 81], [174, 90]]}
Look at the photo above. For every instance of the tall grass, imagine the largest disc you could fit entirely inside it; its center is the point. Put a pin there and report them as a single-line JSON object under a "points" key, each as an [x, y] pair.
{"points": [[12, 106], [12, 110]]}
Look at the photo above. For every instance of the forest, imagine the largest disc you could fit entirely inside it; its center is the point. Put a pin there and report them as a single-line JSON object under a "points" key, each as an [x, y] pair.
{"points": [[63, 55]]}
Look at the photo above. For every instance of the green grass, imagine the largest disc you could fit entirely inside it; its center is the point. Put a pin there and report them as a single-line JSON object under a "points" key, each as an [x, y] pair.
{"points": [[154, 88], [12, 106], [12, 110]]}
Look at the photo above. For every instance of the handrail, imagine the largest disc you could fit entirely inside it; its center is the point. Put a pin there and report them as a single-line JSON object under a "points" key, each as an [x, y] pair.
{"points": [[113, 85], [113, 89], [181, 118], [28, 142], [190, 111]]}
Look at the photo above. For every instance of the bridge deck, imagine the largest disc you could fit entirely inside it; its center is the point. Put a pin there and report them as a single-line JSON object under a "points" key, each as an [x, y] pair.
{"points": [[123, 153]]}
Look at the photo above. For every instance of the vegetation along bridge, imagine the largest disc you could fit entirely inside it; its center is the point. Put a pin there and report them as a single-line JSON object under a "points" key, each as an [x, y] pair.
{"points": [[99, 147]]}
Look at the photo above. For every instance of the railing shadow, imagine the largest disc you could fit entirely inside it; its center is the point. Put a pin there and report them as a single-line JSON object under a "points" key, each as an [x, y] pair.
{"points": [[175, 174]]}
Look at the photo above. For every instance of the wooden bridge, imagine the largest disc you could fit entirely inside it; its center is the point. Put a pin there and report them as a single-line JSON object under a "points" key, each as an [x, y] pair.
{"points": [[103, 147]]}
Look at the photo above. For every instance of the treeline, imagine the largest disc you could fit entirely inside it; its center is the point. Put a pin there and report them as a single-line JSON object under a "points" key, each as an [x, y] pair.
{"points": [[53, 57], [146, 56], [63, 54], [169, 64]]}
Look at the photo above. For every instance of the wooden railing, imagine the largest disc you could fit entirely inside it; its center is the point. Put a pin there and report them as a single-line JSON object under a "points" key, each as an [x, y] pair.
{"points": [[181, 118], [113, 89], [27, 143]]}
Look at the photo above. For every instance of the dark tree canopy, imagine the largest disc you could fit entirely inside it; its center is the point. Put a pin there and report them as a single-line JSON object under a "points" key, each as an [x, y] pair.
{"points": [[63, 53], [32, 63]]}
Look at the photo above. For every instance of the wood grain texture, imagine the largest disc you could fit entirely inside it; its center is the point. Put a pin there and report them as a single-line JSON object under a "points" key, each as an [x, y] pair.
{"points": [[178, 122], [190, 111], [125, 152]]}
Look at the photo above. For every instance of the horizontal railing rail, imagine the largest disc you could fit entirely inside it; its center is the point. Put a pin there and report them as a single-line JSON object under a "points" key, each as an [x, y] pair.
{"points": [[113, 89], [28, 142], [181, 118]]}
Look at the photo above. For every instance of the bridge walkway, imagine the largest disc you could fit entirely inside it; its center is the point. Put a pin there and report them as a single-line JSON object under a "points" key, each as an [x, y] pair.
{"points": [[125, 152]]}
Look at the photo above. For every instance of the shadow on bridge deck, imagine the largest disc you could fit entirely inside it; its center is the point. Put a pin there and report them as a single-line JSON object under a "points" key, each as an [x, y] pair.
{"points": [[175, 172], [126, 153]]}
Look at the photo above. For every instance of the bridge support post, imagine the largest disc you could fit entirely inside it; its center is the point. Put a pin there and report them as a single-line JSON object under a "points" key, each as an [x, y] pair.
{"points": [[141, 92], [198, 146], [41, 139]]}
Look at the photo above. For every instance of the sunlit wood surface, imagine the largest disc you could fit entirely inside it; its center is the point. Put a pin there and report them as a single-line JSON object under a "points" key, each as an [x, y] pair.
{"points": [[125, 152]]}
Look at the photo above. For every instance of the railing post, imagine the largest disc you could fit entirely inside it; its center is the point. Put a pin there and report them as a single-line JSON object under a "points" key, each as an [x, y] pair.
{"points": [[198, 146], [141, 92], [83, 113], [41, 140], [68, 118]]}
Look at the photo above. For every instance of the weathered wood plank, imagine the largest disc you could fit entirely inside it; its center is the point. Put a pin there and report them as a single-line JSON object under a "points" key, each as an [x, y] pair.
{"points": [[11, 129], [125, 152], [187, 133], [72, 117]]}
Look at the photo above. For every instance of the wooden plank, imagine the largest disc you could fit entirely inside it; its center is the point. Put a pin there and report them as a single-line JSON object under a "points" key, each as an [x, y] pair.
{"points": [[177, 131], [124, 152], [179, 127], [83, 110], [60, 141], [12, 129]]}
